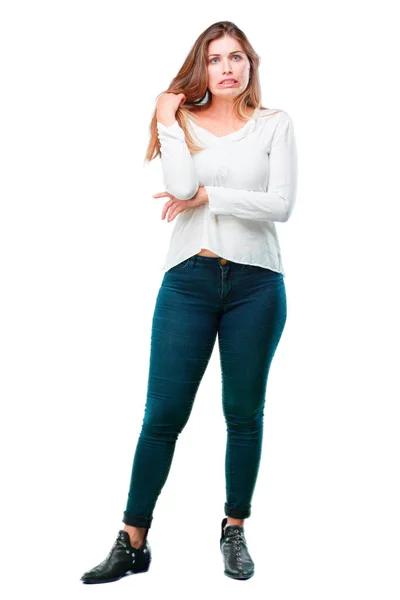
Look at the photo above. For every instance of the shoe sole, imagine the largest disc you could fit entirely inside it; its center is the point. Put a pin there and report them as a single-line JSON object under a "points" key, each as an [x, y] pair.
{"points": [[129, 572], [239, 578]]}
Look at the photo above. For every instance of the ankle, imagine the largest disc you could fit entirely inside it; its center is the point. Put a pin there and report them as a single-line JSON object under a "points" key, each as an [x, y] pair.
{"points": [[136, 535], [232, 521]]}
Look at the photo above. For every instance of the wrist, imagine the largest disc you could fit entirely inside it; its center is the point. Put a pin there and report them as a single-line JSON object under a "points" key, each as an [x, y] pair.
{"points": [[166, 118], [204, 195]]}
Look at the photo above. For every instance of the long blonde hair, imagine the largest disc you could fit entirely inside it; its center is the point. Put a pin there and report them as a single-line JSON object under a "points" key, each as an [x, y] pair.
{"points": [[192, 81]]}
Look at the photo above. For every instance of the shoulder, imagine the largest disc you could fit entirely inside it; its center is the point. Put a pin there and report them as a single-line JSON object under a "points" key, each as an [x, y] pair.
{"points": [[275, 121], [276, 114]]}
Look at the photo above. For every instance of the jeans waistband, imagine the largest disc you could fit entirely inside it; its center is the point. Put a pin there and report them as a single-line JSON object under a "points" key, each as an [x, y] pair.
{"points": [[214, 260]]}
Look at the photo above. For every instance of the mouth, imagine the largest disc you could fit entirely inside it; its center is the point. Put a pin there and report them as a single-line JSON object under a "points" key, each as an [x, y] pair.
{"points": [[228, 83]]}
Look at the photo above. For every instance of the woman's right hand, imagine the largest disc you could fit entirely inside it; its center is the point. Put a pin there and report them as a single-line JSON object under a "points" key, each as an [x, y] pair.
{"points": [[168, 103]]}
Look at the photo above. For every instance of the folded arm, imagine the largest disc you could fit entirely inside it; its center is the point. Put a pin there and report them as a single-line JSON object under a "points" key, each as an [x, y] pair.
{"points": [[277, 203], [179, 174]]}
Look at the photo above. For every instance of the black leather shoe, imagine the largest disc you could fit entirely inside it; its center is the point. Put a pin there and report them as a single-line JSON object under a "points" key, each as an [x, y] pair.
{"points": [[237, 560], [123, 559]]}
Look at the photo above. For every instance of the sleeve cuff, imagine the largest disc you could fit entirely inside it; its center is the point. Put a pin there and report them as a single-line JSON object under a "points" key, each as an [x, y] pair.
{"points": [[173, 131], [217, 203]]}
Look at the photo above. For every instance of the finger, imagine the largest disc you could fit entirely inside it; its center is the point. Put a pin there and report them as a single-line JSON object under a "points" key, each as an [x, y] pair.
{"points": [[167, 205], [165, 208], [173, 212]]}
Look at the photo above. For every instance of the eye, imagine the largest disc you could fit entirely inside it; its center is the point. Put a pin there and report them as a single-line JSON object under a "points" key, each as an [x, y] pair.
{"points": [[216, 58]]}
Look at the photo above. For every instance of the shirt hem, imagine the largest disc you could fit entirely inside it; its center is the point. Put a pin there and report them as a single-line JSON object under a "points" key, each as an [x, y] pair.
{"points": [[270, 266]]}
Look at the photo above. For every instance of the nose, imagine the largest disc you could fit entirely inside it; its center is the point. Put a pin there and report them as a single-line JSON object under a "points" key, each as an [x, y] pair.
{"points": [[226, 66]]}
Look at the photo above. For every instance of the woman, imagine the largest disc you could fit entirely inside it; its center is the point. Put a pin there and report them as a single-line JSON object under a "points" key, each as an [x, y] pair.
{"points": [[224, 275]]}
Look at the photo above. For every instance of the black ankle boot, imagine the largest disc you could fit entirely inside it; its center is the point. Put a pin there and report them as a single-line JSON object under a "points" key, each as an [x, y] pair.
{"points": [[237, 560], [123, 559]]}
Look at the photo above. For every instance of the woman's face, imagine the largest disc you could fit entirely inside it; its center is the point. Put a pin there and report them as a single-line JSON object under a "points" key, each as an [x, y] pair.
{"points": [[227, 59]]}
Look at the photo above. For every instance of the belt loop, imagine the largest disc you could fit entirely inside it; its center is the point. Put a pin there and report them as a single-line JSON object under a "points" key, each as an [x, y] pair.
{"points": [[194, 260]]}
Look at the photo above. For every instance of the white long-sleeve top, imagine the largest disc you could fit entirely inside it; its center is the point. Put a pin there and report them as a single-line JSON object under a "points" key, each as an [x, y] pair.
{"points": [[251, 179]]}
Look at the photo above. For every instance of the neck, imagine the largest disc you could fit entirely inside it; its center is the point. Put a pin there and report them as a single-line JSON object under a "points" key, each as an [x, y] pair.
{"points": [[223, 109]]}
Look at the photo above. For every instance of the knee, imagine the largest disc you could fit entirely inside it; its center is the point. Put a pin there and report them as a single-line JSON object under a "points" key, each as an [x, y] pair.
{"points": [[162, 430], [244, 421]]}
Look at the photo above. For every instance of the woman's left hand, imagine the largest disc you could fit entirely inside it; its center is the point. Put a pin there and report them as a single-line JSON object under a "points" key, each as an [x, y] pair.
{"points": [[174, 206]]}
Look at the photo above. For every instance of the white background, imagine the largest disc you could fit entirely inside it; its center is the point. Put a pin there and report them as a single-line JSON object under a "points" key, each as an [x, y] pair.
{"points": [[82, 246]]}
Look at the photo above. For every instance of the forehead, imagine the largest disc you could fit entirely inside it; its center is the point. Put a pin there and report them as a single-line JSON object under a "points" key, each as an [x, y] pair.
{"points": [[224, 46]]}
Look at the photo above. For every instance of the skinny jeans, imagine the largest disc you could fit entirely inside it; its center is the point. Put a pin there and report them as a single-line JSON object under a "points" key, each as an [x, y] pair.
{"points": [[199, 299]]}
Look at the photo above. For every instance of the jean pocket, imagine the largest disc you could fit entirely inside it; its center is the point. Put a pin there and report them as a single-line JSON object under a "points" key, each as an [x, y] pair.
{"points": [[182, 265], [257, 269]]}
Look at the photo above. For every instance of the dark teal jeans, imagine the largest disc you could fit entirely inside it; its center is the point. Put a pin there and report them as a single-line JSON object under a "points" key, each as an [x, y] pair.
{"points": [[198, 299]]}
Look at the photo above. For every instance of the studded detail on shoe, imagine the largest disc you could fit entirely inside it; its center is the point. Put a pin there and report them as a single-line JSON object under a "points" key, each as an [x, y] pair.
{"points": [[123, 559], [237, 560]]}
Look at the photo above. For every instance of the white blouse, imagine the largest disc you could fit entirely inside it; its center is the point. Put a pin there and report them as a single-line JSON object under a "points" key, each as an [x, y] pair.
{"points": [[251, 179]]}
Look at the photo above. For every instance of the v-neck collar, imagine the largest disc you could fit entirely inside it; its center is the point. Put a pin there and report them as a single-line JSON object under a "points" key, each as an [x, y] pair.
{"points": [[234, 135]]}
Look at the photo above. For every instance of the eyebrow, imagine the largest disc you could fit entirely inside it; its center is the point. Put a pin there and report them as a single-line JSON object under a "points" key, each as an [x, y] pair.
{"points": [[234, 52]]}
